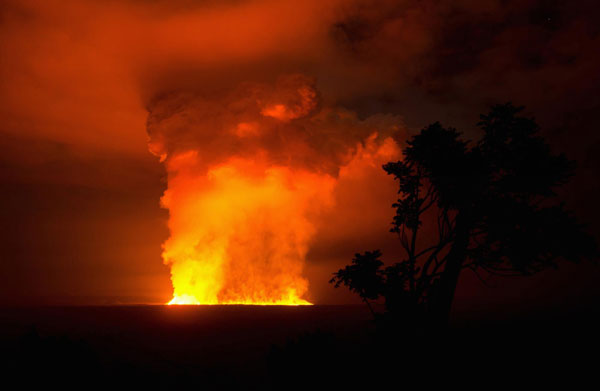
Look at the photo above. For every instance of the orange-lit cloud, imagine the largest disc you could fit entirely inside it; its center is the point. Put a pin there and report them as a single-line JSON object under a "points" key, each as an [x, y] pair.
{"points": [[245, 205]]}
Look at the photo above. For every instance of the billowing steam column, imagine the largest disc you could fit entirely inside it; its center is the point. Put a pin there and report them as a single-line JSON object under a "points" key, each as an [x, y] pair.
{"points": [[249, 172]]}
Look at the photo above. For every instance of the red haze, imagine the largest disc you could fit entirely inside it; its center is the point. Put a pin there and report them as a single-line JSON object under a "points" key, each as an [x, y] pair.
{"points": [[84, 84]]}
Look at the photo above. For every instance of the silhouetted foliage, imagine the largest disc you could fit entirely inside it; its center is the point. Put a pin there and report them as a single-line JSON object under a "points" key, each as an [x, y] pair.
{"points": [[493, 204], [363, 277]]}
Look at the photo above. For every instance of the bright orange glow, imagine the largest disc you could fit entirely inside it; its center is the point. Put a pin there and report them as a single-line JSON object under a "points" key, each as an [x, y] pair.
{"points": [[252, 172], [240, 232]]}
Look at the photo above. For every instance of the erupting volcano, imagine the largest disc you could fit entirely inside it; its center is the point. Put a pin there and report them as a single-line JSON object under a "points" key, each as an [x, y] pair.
{"points": [[249, 174], [240, 232]]}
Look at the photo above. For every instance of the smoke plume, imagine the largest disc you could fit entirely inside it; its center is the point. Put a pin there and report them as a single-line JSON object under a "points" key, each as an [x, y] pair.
{"points": [[250, 172]]}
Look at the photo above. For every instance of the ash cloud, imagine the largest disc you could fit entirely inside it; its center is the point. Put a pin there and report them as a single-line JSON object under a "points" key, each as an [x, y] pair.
{"points": [[285, 123]]}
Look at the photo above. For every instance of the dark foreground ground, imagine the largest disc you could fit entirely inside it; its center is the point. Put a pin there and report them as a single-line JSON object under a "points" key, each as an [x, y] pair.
{"points": [[248, 347]]}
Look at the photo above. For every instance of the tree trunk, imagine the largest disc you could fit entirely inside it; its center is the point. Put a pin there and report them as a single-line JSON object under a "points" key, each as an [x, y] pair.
{"points": [[446, 286]]}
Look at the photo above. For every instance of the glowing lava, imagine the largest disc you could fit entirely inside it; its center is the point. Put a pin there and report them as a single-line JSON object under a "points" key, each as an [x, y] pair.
{"points": [[240, 232]]}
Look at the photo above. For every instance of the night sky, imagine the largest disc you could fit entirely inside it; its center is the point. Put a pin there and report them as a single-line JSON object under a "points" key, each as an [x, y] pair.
{"points": [[85, 85]]}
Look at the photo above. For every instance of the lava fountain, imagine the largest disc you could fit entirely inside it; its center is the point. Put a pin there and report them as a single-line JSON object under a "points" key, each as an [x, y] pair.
{"points": [[240, 232], [249, 172]]}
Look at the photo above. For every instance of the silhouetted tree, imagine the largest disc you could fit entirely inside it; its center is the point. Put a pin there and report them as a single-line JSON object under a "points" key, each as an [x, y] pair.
{"points": [[492, 204]]}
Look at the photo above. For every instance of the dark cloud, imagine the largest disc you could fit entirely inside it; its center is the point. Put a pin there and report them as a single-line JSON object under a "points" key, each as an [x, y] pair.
{"points": [[285, 121]]}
